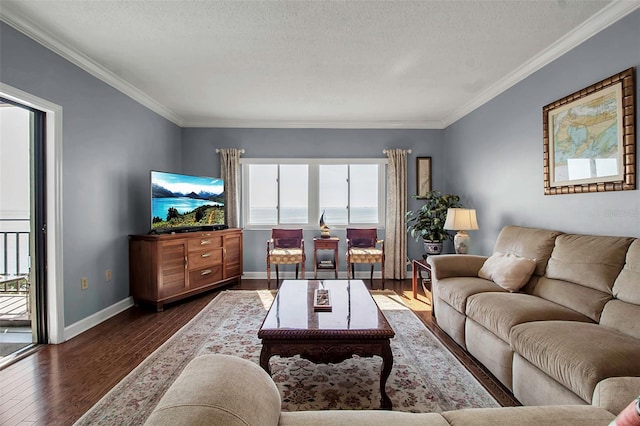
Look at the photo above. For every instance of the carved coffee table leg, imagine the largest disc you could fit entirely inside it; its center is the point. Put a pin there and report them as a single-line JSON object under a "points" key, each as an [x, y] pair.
{"points": [[387, 364], [265, 355]]}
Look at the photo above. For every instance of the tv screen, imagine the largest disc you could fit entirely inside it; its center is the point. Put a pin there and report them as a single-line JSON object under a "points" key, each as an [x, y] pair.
{"points": [[182, 201]]}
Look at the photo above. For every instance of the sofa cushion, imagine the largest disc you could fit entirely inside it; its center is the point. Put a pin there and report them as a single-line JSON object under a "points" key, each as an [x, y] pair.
{"points": [[509, 271], [625, 287], [623, 317], [588, 260], [576, 354], [565, 415], [582, 299], [532, 386], [360, 418], [499, 312], [531, 243], [623, 313], [455, 291]]}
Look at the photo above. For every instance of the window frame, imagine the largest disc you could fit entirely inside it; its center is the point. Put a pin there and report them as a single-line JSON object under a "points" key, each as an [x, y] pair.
{"points": [[313, 190]]}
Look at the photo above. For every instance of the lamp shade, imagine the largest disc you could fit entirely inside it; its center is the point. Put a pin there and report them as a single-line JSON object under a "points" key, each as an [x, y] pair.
{"points": [[461, 220]]}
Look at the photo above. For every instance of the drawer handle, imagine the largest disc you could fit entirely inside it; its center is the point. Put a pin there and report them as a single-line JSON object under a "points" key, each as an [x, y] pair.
{"points": [[205, 272], [205, 255], [186, 262], [203, 242]]}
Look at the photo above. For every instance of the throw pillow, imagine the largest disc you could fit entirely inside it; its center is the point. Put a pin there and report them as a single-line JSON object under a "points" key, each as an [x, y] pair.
{"points": [[509, 271]]}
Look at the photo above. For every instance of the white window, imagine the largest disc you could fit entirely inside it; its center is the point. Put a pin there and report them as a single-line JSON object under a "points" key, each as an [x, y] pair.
{"points": [[295, 192], [294, 195]]}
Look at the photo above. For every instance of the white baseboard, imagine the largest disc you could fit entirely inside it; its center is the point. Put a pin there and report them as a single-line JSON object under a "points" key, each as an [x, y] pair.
{"points": [[91, 321]]}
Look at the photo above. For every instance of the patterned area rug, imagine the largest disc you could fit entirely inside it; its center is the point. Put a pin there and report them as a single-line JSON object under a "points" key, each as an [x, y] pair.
{"points": [[425, 376]]}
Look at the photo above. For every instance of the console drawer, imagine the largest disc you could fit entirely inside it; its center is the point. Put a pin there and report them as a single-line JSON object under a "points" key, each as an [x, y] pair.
{"points": [[205, 258], [204, 242], [202, 277]]}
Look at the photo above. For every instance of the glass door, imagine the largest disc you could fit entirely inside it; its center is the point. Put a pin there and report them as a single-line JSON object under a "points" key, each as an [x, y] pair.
{"points": [[21, 289]]}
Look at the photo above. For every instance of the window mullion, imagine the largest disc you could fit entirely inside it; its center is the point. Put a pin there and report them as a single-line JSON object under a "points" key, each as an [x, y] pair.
{"points": [[278, 194], [348, 194], [314, 193]]}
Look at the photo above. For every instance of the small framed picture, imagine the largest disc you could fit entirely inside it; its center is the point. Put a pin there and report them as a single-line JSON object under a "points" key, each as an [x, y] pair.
{"points": [[423, 175]]}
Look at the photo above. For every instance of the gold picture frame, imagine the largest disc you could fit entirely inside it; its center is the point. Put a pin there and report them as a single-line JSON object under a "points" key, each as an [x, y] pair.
{"points": [[589, 138], [423, 176]]}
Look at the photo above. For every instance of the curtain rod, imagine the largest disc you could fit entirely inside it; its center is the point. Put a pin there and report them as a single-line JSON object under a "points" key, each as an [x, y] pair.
{"points": [[384, 151], [218, 151]]}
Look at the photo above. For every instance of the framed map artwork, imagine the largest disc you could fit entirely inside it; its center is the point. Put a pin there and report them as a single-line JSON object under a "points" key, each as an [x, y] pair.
{"points": [[589, 138]]}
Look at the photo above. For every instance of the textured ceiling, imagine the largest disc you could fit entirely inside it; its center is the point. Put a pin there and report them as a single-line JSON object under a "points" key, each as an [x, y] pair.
{"points": [[411, 64]]}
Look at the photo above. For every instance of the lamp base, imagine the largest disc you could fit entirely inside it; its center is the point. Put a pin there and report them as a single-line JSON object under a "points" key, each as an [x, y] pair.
{"points": [[462, 242]]}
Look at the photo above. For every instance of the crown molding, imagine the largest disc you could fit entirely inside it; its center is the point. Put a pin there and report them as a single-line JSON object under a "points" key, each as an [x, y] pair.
{"points": [[77, 58], [606, 17], [610, 14], [280, 124]]}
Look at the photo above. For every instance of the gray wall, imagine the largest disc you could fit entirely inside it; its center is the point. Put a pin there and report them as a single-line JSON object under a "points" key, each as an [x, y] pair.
{"points": [[496, 151], [110, 143], [492, 158], [199, 157]]}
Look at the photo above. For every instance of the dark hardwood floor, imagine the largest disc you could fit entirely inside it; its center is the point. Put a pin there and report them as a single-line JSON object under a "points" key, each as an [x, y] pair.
{"points": [[57, 384]]}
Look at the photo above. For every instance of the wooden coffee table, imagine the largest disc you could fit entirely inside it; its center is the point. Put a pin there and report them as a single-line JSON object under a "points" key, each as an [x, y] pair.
{"points": [[354, 326]]}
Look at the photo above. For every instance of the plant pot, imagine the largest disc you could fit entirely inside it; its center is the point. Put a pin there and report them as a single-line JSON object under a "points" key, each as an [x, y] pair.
{"points": [[432, 247]]}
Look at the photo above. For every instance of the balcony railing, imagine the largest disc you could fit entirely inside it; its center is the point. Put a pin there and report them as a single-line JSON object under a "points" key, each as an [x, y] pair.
{"points": [[14, 246], [14, 269]]}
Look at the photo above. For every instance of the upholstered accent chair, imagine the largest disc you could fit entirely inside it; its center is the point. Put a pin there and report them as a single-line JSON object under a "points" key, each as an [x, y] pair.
{"points": [[363, 246], [286, 246]]}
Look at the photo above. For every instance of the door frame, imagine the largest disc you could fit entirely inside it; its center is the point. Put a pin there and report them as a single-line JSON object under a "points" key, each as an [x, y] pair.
{"points": [[53, 159]]}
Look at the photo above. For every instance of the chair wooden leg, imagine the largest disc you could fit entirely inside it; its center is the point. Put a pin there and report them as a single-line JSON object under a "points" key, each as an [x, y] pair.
{"points": [[277, 277], [353, 271], [302, 268], [382, 273], [371, 278], [268, 275], [297, 271]]}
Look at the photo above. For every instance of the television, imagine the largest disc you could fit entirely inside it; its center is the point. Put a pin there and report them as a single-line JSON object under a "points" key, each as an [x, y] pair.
{"points": [[182, 203]]}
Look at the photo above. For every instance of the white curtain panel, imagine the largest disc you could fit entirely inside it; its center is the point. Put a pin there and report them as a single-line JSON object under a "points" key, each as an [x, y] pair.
{"points": [[396, 234], [230, 169]]}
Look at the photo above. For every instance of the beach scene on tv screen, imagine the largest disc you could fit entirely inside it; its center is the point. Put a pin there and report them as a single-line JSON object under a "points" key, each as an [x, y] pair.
{"points": [[179, 201]]}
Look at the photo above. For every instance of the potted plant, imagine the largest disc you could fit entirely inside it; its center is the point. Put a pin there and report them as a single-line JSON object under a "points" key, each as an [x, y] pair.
{"points": [[427, 223]]}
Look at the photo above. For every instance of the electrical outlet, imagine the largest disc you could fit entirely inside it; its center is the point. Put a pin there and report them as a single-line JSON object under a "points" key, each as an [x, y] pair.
{"points": [[107, 275], [85, 283]]}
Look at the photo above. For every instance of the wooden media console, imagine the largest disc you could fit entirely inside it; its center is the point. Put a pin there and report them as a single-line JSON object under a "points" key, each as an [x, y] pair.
{"points": [[168, 267]]}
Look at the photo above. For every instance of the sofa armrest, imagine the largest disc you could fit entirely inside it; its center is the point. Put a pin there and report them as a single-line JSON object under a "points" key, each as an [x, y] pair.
{"points": [[219, 390], [615, 393], [455, 265]]}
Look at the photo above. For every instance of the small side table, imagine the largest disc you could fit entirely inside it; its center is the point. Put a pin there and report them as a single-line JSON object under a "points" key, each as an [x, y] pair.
{"points": [[325, 244], [417, 266]]}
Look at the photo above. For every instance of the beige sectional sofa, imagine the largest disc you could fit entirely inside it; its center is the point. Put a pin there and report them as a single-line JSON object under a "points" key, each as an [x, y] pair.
{"points": [[227, 390], [575, 323]]}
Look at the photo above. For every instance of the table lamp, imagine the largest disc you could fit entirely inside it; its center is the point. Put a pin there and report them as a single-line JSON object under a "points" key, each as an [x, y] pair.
{"points": [[461, 220]]}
